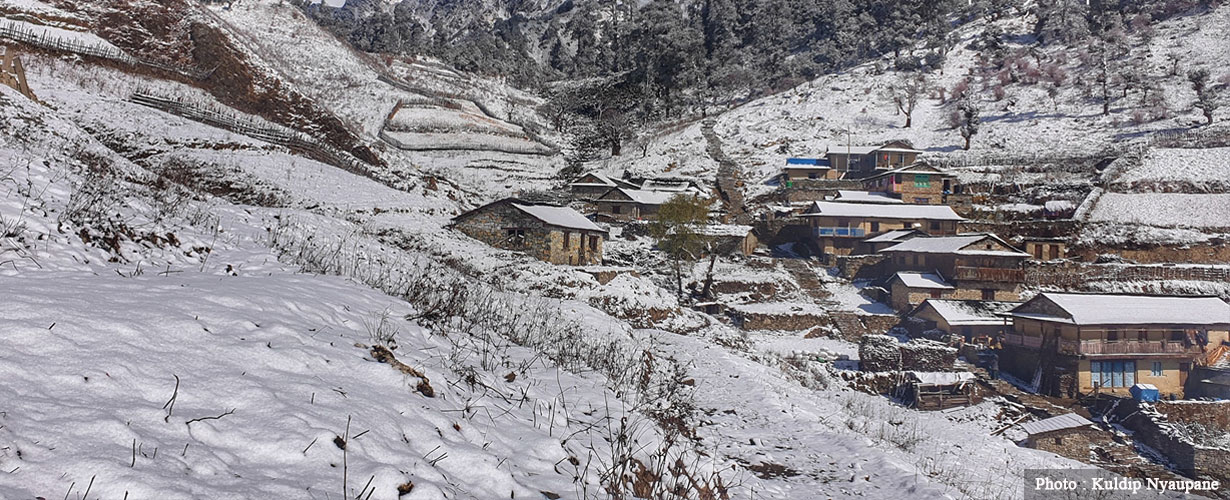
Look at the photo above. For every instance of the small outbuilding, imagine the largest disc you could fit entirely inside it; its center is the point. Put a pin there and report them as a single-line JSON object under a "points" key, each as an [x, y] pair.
{"points": [[1069, 435], [559, 235], [968, 318]]}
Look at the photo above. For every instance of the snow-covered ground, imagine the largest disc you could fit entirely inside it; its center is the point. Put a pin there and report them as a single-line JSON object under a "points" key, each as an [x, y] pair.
{"points": [[224, 330], [1164, 209]]}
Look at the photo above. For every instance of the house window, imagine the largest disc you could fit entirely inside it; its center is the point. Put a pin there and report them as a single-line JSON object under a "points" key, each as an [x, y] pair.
{"points": [[1054, 252], [922, 180], [1113, 373], [593, 243], [901, 159], [988, 295], [1157, 369], [935, 294], [566, 235], [1142, 335], [875, 227], [1112, 335], [1176, 335], [935, 225], [515, 236], [811, 175], [1059, 441], [616, 209], [922, 201]]}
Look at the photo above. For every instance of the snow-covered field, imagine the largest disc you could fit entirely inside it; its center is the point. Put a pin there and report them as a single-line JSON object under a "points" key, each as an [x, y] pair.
{"points": [[1164, 209]]}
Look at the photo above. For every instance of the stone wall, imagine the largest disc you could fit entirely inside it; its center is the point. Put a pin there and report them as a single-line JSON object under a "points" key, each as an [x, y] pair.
{"points": [[1148, 423], [1074, 274], [1210, 413], [860, 266], [778, 321], [1070, 443], [884, 353]]}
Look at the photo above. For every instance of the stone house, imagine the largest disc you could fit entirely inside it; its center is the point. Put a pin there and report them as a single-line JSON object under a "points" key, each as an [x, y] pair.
{"points": [[857, 162], [979, 266], [559, 235], [1046, 249], [729, 239], [622, 204], [1084, 343], [908, 289], [1068, 435], [968, 318], [594, 184], [919, 183], [838, 228]]}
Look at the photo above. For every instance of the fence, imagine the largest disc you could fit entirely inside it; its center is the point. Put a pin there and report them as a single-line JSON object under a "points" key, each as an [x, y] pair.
{"points": [[13, 74], [1073, 274], [43, 39], [291, 139]]}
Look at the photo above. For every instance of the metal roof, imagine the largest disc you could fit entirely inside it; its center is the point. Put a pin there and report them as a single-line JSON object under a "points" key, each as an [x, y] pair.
{"points": [[1066, 421]]}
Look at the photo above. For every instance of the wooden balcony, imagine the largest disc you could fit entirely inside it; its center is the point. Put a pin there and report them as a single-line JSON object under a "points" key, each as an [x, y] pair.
{"points": [[1101, 347], [1133, 347], [995, 274]]}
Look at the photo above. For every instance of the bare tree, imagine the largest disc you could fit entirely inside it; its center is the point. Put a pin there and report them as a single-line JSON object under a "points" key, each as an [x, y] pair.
{"points": [[905, 94]]}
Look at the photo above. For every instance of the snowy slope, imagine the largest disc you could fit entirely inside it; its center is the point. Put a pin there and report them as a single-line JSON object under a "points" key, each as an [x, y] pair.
{"points": [[1026, 125]]}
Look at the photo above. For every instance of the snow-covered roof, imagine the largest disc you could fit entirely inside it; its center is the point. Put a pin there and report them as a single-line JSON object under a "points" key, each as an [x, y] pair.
{"points": [[969, 312], [895, 236], [559, 216], [864, 197], [1104, 309], [854, 150], [724, 230], [940, 378], [603, 180], [645, 197], [882, 211], [1066, 421], [923, 280], [913, 168], [953, 245]]}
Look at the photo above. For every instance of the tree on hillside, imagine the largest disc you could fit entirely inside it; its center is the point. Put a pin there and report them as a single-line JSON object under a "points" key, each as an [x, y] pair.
{"points": [[1062, 20], [905, 94], [677, 230], [968, 120], [1206, 100]]}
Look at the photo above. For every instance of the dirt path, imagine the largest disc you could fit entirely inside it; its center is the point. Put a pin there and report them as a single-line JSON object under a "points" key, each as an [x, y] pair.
{"points": [[729, 185]]}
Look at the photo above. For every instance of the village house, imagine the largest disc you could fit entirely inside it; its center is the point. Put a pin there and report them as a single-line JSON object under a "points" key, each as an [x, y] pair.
{"points": [[909, 288], [806, 168], [1046, 249], [594, 184], [976, 266], [1068, 435], [1085, 343], [968, 318], [837, 228], [918, 183], [729, 239], [559, 235], [856, 162], [622, 204]]}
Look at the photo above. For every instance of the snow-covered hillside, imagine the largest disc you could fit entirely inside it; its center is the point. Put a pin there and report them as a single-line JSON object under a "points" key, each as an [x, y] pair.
{"points": [[1026, 124], [187, 312]]}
